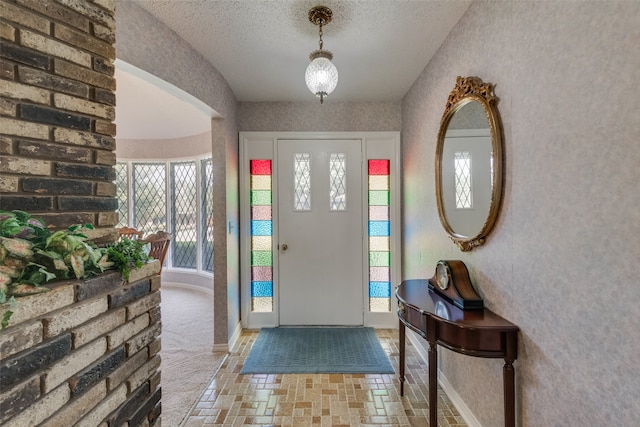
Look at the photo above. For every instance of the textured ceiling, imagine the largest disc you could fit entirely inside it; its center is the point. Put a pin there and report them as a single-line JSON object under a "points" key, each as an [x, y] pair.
{"points": [[261, 47]]}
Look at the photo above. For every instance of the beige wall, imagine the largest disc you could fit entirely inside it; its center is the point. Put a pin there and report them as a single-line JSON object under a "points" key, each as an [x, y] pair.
{"points": [[315, 117], [164, 149], [143, 41], [561, 262]]}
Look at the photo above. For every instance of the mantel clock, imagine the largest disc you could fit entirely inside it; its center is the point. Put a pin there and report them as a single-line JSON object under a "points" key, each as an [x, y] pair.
{"points": [[451, 280]]}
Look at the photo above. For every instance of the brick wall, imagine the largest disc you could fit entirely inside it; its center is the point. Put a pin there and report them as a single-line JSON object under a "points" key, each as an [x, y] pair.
{"points": [[57, 108], [85, 353]]}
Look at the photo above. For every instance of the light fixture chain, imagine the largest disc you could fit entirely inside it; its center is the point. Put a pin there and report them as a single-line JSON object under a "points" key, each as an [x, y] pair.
{"points": [[320, 34]]}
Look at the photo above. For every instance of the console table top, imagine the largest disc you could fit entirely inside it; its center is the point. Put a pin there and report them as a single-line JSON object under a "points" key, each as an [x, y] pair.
{"points": [[415, 293]]}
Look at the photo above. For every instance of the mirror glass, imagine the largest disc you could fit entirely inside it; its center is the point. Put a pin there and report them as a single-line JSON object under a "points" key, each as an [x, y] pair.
{"points": [[469, 163]]}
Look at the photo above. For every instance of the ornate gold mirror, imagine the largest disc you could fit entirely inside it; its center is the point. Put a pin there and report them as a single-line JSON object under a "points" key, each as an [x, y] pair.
{"points": [[469, 163]]}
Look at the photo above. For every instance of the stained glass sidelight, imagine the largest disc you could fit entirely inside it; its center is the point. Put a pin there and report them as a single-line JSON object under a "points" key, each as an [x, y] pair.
{"points": [[261, 237], [379, 236], [462, 164]]}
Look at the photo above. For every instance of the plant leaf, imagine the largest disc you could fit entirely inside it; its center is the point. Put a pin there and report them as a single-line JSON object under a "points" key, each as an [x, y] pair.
{"points": [[5, 318], [78, 266]]}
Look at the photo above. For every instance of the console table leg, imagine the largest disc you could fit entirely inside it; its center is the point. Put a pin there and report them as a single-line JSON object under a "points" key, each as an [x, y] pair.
{"points": [[433, 384], [402, 333], [508, 373]]}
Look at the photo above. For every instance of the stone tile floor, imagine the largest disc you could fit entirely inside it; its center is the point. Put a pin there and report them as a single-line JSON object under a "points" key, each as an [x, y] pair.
{"points": [[333, 400]]}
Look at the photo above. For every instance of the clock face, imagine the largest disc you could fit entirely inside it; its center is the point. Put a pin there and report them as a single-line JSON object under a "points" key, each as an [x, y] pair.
{"points": [[442, 275]]}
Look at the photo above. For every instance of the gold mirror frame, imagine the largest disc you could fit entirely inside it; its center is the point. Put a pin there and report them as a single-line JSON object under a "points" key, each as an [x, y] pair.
{"points": [[470, 89]]}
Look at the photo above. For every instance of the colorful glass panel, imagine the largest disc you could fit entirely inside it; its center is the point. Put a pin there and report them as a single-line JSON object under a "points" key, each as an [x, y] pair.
{"points": [[261, 228], [377, 243], [379, 290], [261, 243], [379, 259], [379, 167], [379, 274], [260, 198], [379, 228], [263, 274], [261, 236], [261, 167], [378, 198], [379, 182], [262, 289], [261, 212], [378, 213], [380, 305], [262, 259], [261, 182], [379, 236]]}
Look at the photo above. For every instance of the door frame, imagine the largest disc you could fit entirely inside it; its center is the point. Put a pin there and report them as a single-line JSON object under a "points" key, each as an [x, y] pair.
{"points": [[263, 145]]}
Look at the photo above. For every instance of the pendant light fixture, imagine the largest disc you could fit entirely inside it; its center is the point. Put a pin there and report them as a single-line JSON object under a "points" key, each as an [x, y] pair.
{"points": [[321, 75]]}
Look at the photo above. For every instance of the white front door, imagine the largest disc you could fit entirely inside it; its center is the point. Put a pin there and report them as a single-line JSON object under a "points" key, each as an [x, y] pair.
{"points": [[320, 225]]}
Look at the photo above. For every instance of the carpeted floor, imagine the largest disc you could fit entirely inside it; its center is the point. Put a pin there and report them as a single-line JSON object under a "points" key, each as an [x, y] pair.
{"points": [[188, 363], [298, 350]]}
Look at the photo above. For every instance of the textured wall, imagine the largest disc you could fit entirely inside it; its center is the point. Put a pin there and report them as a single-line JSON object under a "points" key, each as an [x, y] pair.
{"points": [[148, 44], [316, 117], [561, 260]]}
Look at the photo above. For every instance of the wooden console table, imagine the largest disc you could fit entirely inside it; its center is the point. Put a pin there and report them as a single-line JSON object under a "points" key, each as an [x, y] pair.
{"points": [[479, 333]]}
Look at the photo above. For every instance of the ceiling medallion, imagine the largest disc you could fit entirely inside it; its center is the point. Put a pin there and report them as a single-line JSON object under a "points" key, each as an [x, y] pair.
{"points": [[321, 76]]}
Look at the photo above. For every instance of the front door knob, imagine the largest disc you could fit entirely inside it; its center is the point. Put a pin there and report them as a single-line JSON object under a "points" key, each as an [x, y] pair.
{"points": [[284, 247]]}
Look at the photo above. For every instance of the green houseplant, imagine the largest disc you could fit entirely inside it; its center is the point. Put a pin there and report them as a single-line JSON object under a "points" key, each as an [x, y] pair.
{"points": [[127, 254], [31, 255]]}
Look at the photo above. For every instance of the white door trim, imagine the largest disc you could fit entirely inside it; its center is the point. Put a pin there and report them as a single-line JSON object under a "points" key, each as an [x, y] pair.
{"points": [[262, 145]]}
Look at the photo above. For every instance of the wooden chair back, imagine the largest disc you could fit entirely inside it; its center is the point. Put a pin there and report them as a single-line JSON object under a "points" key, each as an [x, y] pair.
{"points": [[159, 243], [130, 233]]}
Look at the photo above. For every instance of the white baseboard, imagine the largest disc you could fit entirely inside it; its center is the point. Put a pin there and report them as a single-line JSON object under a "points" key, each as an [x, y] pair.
{"points": [[382, 326], [232, 340], [381, 320], [220, 347], [235, 336], [172, 276], [466, 414], [188, 286], [416, 341], [457, 401]]}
